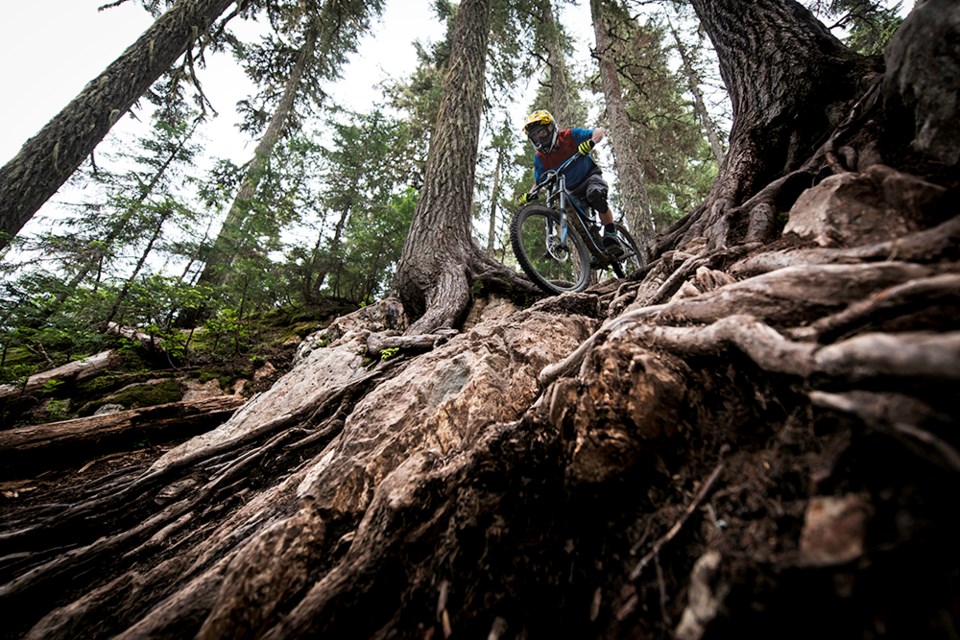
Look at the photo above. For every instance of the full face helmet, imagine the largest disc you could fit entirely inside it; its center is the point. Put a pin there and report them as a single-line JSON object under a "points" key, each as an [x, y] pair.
{"points": [[541, 130]]}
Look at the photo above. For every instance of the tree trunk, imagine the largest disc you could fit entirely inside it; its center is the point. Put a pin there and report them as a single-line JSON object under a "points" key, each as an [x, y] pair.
{"points": [[49, 158], [49, 446], [789, 80], [314, 283], [626, 158], [432, 275], [76, 370], [494, 199], [165, 213]]}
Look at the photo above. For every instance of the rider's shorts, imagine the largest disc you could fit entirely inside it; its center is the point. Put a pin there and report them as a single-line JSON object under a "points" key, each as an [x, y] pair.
{"points": [[594, 190]]}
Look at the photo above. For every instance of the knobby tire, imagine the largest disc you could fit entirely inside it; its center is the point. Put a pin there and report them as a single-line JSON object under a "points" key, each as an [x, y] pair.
{"points": [[559, 269]]}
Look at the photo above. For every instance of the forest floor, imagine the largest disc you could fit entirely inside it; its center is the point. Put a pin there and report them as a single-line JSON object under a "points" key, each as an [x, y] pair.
{"points": [[786, 508], [53, 481]]}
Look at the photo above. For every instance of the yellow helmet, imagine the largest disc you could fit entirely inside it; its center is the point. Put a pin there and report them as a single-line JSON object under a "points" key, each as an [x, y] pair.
{"points": [[541, 129]]}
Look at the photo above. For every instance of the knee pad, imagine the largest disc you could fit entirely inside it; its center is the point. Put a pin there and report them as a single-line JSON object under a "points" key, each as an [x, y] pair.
{"points": [[597, 194]]}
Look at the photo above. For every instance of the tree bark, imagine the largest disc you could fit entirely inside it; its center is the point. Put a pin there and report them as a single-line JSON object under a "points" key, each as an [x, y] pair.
{"points": [[432, 275], [675, 456], [789, 80], [45, 161]]}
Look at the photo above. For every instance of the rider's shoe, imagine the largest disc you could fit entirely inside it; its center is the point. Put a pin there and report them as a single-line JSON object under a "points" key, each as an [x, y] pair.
{"points": [[612, 245]]}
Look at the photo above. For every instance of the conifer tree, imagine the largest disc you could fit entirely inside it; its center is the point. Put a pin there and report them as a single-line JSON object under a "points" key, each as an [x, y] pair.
{"points": [[440, 259], [757, 62], [161, 155], [689, 68], [501, 146], [406, 501], [49, 158], [550, 35], [636, 203], [161, 213], [325, 33], [661, 158], [868, 24], [129, 194], [364, 175]]}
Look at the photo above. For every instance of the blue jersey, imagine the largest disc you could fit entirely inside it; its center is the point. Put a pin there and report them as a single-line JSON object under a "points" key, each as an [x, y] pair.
{"points": [[567, 142]]}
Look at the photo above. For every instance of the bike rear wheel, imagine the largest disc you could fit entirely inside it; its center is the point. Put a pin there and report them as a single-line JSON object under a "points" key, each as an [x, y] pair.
{"points": [[632, 259], [555, 264]]}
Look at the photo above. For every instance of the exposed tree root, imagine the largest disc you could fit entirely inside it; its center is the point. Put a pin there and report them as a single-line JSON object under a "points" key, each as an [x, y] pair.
{"points": [[43, 446], [940, 292], [227, 468], [504, 482], [784, 297], [938, 244], [502, 279], [378, 342], [907, 418]]}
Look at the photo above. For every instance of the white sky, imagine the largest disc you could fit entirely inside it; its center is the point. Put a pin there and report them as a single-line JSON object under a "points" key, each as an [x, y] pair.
{"points": [[50, 49]]}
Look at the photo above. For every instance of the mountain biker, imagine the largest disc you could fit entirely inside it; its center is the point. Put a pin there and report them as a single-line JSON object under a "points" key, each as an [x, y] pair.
{"points": [[584, 178]]}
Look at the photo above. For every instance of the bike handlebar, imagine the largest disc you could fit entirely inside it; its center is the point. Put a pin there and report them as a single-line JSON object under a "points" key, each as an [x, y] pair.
{"points": [[551, 176]]}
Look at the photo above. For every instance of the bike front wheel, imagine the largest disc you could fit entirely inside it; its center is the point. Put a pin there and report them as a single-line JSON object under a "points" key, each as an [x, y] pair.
{"points": [[555, 264]]}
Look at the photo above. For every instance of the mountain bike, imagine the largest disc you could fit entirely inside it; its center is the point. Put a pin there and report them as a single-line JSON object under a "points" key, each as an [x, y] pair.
{"points": [[559, 243]]}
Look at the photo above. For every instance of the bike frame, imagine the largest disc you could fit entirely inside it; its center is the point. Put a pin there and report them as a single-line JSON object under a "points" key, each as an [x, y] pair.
{"points": [[555, 182]]}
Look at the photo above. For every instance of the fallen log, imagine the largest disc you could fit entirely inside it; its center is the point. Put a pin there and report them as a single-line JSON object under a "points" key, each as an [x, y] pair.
{"points": [[76, 370], [48, 445]]}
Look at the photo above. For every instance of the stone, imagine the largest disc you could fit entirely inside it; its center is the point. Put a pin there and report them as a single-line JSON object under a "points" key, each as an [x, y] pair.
{"points": [[854, 209], [833, 530]]}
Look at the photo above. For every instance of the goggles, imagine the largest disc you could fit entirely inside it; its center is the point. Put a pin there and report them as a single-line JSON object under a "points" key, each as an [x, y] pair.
{"points": [[539, 134]]}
